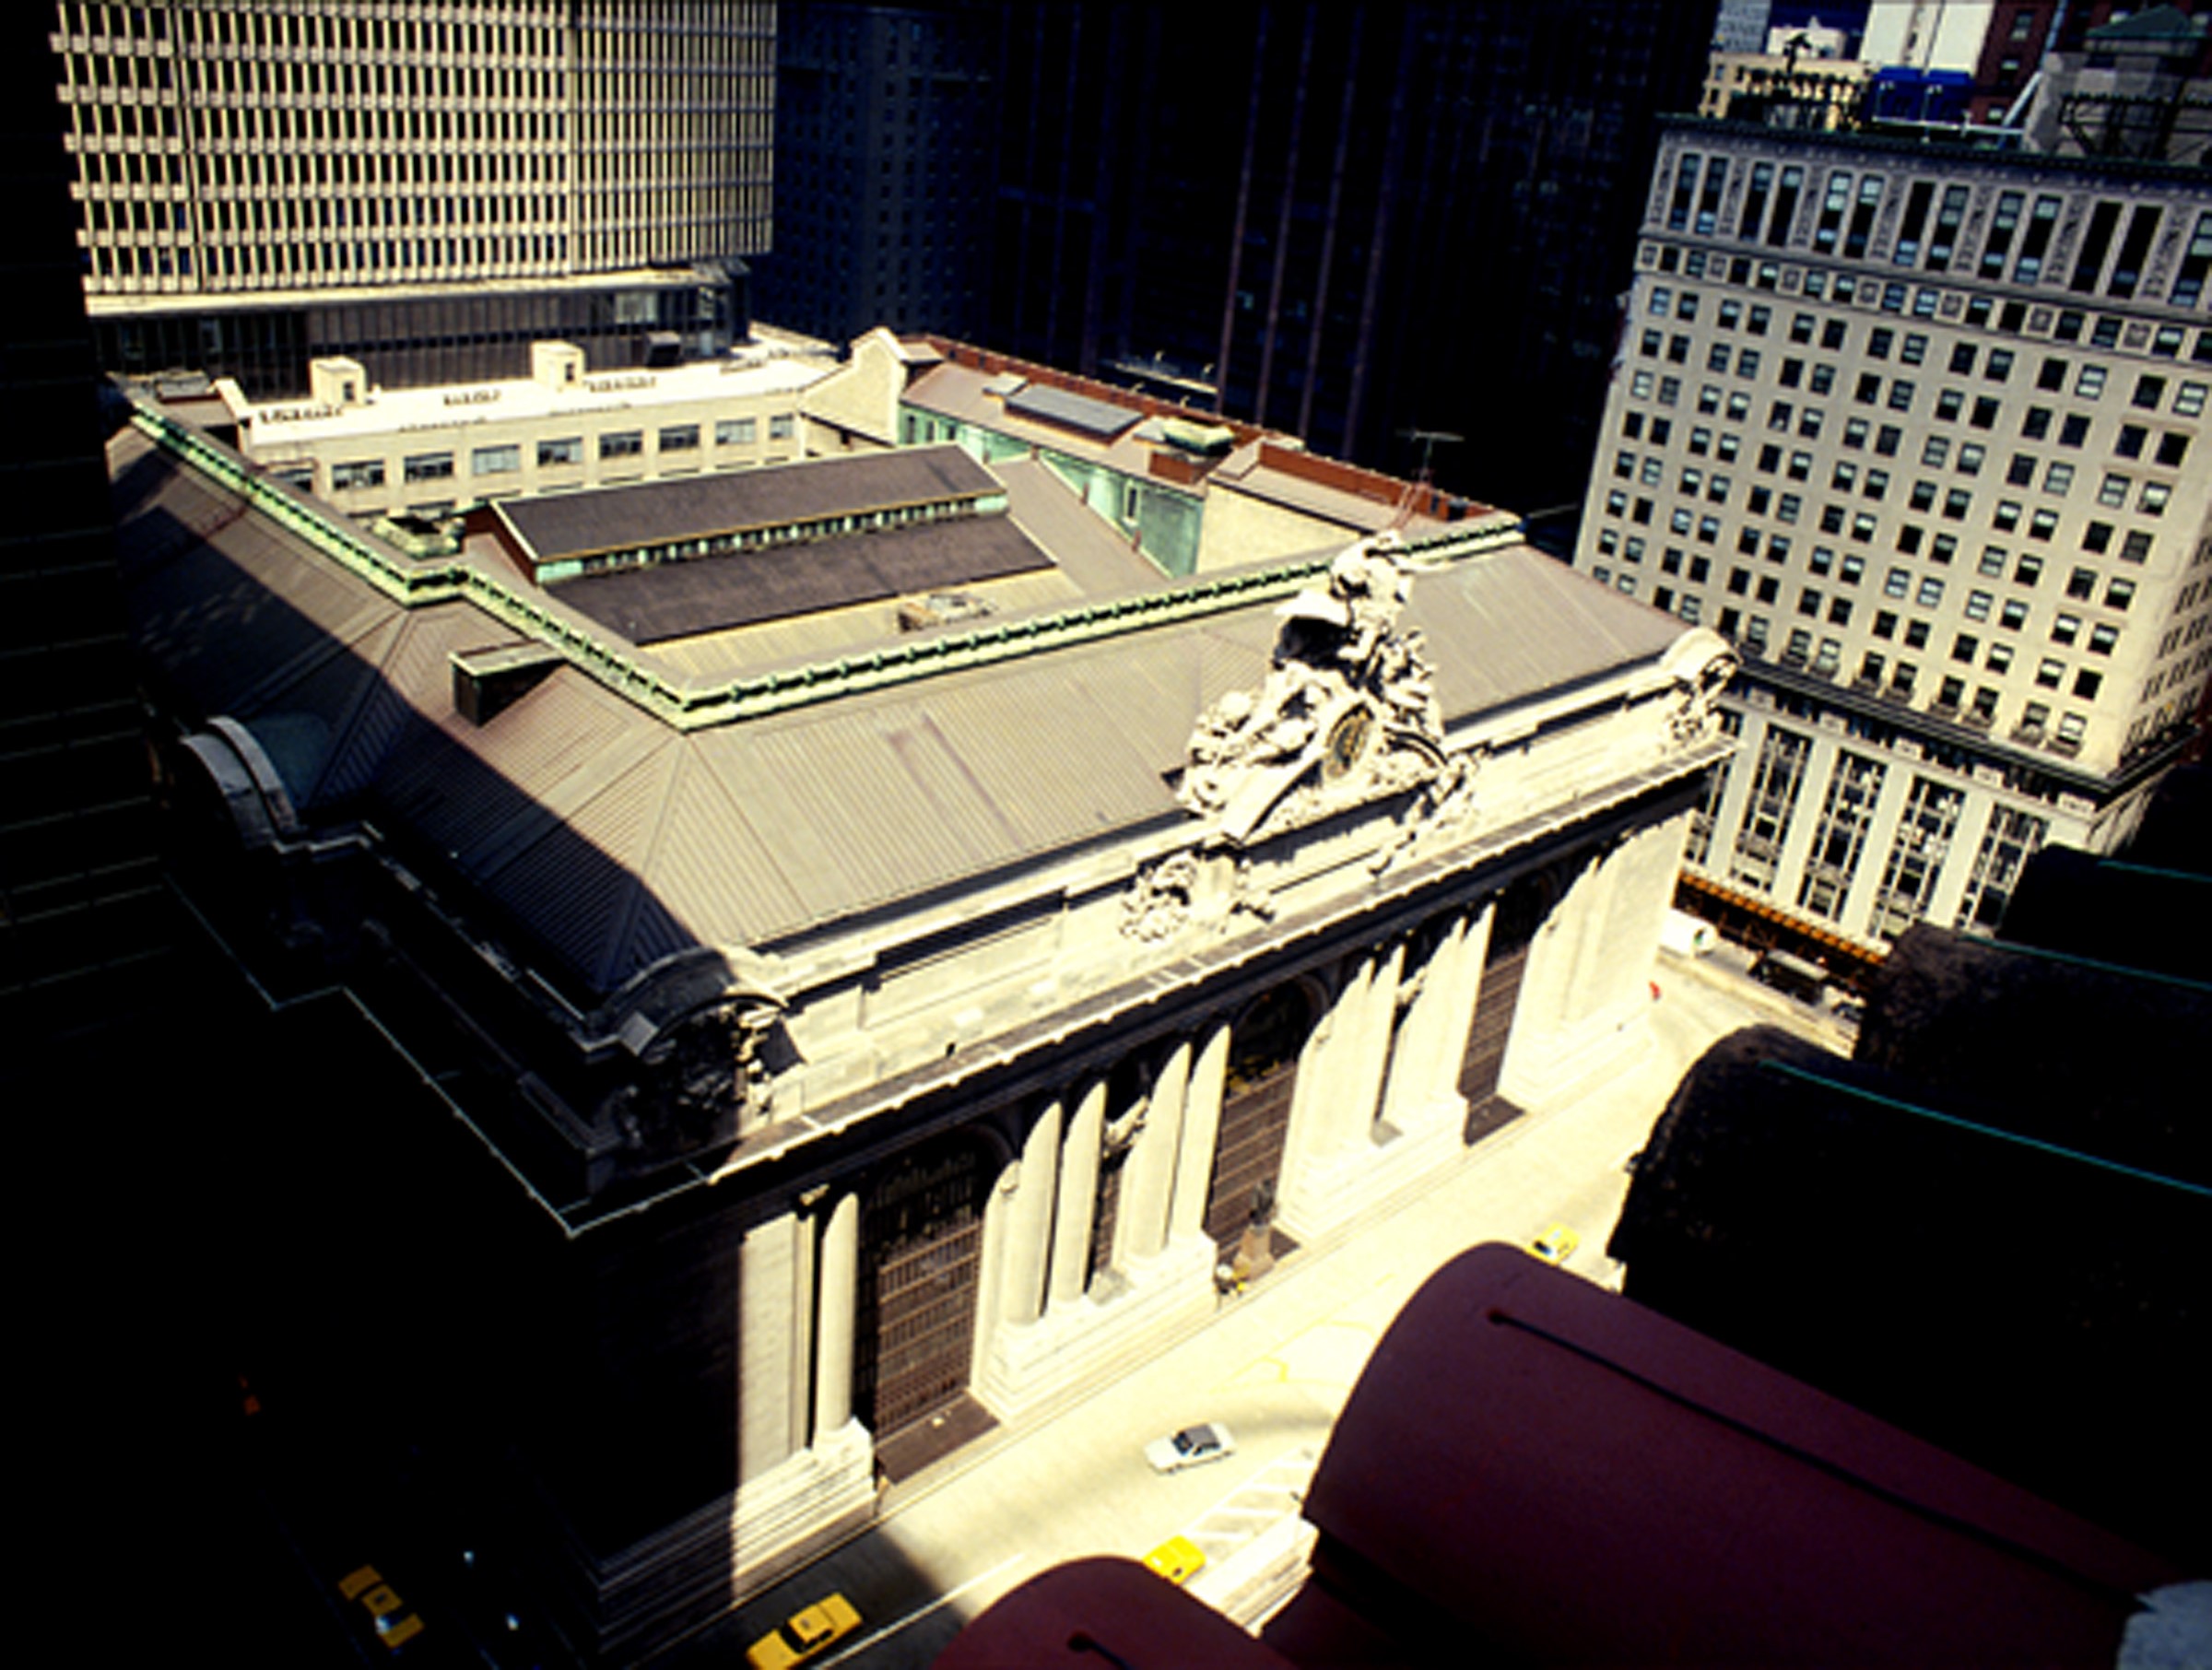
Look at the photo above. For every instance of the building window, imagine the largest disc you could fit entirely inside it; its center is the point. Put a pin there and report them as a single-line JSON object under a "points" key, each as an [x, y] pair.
{"points": [[2010, 839], [782, 427], [357, 473], [567, 450], [495, 459], [679, 438], [623, 443], [1923, 836], [1840, 836], [1769, 807], [735, 431], [428, 466]]}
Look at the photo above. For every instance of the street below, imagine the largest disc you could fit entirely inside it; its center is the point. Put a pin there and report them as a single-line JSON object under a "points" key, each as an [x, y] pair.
{"points": [[1276, 1366]]}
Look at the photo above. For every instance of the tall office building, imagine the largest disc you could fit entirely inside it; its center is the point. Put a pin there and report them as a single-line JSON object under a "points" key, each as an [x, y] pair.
{"points": [[1922, 428], [86, 926], [1346, 221], [886, 168], [1353, 222], [432, 187]]}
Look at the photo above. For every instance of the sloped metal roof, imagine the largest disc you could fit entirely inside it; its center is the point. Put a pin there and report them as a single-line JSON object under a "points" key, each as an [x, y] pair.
{"points": [[610, 838]]}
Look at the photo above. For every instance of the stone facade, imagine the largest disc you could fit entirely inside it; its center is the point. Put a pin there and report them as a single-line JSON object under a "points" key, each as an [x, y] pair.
{"points": [[974, 1011]]}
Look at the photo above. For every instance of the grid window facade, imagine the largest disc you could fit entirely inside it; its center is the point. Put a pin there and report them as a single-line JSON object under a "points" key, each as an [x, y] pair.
{"points": [[1983, 383], [235, 149]]}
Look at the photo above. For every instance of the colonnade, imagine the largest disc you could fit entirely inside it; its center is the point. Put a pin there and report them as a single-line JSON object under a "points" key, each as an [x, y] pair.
{"points": [[1376, 1112], [1376, 1107]]}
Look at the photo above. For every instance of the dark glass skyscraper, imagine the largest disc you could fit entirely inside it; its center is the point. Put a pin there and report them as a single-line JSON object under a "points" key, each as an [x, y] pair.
{"points": [[1350, 221], [1356, 222]]}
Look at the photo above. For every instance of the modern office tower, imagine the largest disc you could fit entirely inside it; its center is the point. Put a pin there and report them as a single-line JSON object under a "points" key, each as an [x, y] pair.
{"points": [[432, 187], [1922, 429], [886, 168], [1352, 222]]}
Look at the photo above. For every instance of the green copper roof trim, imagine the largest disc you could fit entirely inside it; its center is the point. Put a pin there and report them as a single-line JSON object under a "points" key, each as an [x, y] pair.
{"points": [[1785, 1070], [2073, 960], [687, 706]]}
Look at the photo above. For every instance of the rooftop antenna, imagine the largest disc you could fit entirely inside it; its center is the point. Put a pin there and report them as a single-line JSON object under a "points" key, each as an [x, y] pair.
{"points": [[1430, 439]]}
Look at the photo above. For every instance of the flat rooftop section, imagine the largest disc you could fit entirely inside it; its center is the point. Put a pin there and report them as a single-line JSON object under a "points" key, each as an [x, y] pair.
{"points": [[746, 588], [750, 375], [1130, 433], [561, 526], [1098, 419], [1000, 397]]}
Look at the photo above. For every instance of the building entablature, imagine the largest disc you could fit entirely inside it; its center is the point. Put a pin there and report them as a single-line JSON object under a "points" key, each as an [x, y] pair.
{"points": [[1887, 224]]}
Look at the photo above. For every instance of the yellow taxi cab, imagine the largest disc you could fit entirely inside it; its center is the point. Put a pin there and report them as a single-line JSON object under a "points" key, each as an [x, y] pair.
{"points": [[1178, 1559], [393, 1624], [804, 1634], [1556, 1244]]}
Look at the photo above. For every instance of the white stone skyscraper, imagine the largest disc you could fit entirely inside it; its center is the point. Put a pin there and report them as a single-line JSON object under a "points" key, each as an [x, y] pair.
{"points": [[1921, 427]]}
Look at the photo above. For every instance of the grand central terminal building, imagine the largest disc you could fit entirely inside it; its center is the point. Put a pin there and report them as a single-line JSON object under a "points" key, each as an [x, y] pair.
{"points": [[891, 945]]}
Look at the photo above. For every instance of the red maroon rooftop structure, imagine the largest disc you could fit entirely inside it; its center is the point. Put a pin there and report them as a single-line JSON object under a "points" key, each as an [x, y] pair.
{"points": [[1536, 1470]]}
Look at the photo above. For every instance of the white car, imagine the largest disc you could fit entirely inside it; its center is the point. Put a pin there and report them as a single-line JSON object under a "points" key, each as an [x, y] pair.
{"points": [[1191, 1447]]}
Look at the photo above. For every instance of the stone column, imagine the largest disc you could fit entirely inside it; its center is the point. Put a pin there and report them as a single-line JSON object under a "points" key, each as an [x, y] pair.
{"points": [[1473, 958], [1596, 898], [1547, 980], [1424, 1065], [1324, 1115], [765, 1346], [835, 1319], [1201, 1128], [806, 1229], [1078, 1195], [1029, 1225], [1149, 1174], [1368, 1054]]}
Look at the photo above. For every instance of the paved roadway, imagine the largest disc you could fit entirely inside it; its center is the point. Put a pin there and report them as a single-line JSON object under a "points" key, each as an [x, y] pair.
{"points": [[1276, 1366]]}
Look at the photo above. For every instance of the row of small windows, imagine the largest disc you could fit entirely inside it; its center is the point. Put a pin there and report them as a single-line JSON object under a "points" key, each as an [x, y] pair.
{"points": [[1995, 364], [2116, 243], [502, 460], [1926, 301]]}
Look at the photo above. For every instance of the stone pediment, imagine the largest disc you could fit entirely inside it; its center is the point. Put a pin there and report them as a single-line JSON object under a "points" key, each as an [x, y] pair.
{"points": [[1347, 714]]}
